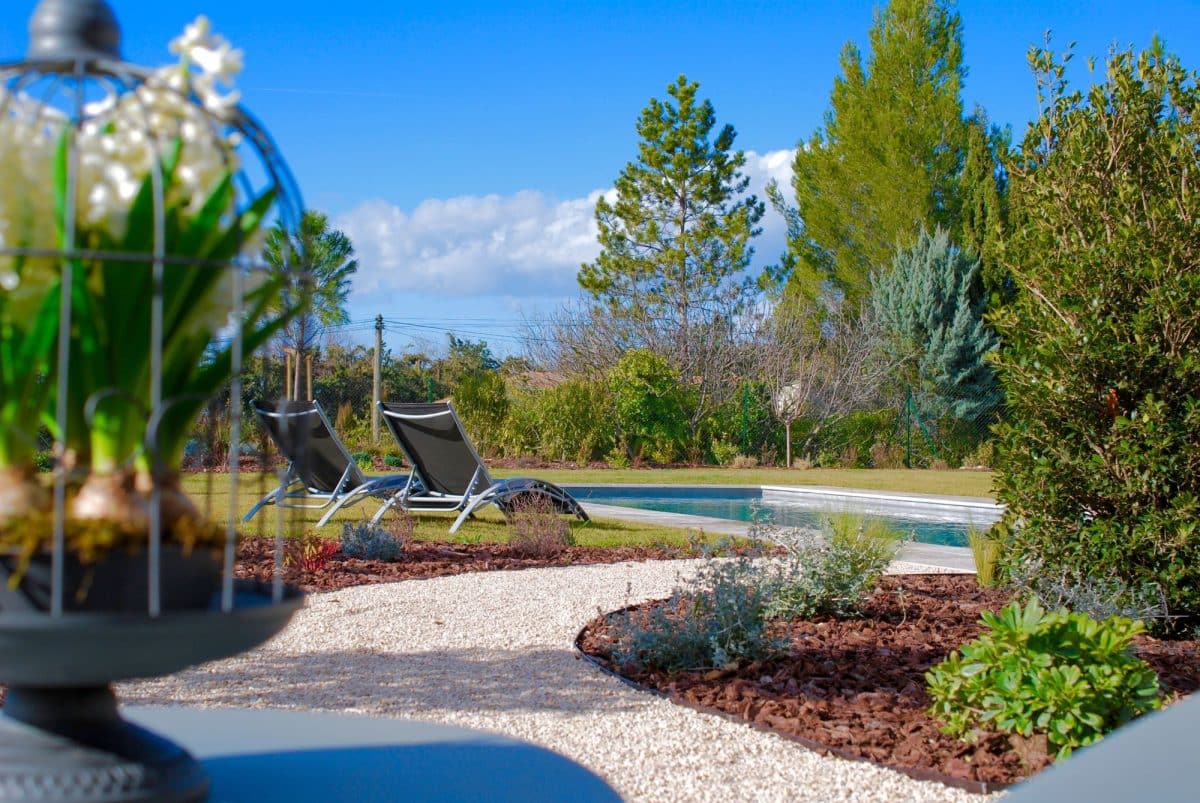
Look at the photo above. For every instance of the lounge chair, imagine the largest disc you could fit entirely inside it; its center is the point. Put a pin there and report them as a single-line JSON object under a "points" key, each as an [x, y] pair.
{"points": [[447, 472], [321, 473]]}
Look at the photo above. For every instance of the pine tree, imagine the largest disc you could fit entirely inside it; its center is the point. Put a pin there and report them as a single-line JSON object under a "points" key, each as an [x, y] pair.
{"points": [[675, 244], [931, 303], [887, 161], [678, 234], [326, 256]]}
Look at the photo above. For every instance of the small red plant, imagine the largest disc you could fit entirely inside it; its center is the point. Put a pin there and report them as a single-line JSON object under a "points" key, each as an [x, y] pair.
{"points": [[311, 553]]}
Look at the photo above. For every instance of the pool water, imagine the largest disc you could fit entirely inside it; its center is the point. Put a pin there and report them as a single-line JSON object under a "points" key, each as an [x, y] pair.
{"points": [[748, 504]]}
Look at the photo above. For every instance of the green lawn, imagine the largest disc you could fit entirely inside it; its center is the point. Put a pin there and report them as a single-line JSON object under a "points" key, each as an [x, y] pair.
{"points": [[952, 483], [211, 493]]}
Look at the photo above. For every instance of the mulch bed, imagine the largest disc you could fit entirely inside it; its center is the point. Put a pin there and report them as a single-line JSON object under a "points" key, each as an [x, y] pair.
{"points": [[856, 688], [423, 559]]}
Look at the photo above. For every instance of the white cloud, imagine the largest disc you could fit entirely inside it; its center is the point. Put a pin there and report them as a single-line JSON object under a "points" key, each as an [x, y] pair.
{"points": [[521, 245]]}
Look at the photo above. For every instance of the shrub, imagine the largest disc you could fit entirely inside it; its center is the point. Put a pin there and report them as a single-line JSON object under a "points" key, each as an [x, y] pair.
{"points": [[575, 421], [650, 401], [743, 424], [310, 553], [741, 461], [716, 620], [481, 400], [983, 456], [518, 435], [1098, 464], [724, 452], [847, 441], [363, 459], [535, 528], [829, 573], [355, 432], [1062, 675], [393, 460], [886, 455], [370, 542]]}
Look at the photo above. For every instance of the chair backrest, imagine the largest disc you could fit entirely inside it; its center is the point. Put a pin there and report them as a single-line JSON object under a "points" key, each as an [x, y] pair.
{"points": [[436, 445], [306, 438]]}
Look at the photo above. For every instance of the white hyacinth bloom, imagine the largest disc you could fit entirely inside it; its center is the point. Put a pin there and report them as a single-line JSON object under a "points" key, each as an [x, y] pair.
{"points": [[124, 137]]}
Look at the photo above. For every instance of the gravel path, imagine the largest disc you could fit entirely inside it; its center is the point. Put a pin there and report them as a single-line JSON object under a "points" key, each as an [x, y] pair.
{"points": [[494, 650]]}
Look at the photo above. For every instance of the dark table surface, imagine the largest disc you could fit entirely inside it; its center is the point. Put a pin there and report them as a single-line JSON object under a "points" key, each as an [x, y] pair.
{"points": [[276, 755]]}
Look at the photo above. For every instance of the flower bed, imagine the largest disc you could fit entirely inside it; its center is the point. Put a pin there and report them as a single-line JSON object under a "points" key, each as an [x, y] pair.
{"points": [[424, 559], [856, 687]]}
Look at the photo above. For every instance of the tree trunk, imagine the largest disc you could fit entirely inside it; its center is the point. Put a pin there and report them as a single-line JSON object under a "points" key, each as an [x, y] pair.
{"points": [[788, 440], [299, 358]]}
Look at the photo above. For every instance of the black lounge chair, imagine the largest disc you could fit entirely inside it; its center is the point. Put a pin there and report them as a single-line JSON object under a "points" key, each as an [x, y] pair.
{"points": [[448, 473], [320, 470]]}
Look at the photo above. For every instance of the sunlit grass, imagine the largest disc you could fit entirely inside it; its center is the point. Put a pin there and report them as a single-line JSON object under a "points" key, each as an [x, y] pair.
{"points": [[211, 493], [950, 482]]}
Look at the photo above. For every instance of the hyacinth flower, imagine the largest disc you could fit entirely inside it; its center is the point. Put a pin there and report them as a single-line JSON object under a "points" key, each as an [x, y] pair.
{"points": [[151, 157]]}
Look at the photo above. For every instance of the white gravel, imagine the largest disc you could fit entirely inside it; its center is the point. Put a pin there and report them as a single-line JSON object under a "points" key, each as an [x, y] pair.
{"points": [[494, 650]]}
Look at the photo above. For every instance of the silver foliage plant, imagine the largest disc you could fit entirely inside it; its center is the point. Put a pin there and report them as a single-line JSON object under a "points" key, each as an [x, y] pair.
{"points": [[370, 542], [1098, 597], [829, 572], [722, 617], [717, 619]]}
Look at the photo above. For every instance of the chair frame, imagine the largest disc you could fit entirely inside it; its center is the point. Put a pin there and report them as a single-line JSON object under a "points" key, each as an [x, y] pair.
{"points": [[294, 492], [415, 495]]}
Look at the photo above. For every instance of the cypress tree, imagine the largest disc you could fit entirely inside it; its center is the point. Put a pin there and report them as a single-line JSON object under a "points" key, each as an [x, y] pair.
{"points": [[887, 162], [931, 303]]}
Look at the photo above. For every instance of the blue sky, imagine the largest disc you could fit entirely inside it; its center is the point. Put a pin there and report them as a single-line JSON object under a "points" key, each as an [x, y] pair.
{"points": [[463, 145]]}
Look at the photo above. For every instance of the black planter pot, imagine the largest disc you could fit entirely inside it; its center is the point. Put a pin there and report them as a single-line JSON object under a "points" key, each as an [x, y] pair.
{"points": [[117, 583]]}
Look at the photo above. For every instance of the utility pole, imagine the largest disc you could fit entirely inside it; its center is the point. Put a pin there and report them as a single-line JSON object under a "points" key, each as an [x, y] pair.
{"points": [[377, 385]]}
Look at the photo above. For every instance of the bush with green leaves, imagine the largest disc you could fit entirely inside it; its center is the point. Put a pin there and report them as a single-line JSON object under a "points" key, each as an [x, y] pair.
{"points": [[519, 433], [575, 421], [1063, 675], [718, 619], [481, 400], [829, 573], [650, 403], [744, 424], [851, 438], [370, 542], [1101, 346]]}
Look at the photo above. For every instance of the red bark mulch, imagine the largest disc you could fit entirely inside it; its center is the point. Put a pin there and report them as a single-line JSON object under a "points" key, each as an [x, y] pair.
{"points": [[423, 559], [856, 687]]}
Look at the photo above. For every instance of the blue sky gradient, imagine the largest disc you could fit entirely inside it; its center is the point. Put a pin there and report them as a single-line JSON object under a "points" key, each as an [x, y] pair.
{"points": [[468, 140]]}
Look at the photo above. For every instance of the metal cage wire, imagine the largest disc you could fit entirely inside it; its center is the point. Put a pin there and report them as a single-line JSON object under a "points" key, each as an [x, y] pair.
{"points": [[68, 97]]}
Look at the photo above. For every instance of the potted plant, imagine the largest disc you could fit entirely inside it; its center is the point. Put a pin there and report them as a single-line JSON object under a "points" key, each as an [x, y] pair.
{"points": [[158, 209]]}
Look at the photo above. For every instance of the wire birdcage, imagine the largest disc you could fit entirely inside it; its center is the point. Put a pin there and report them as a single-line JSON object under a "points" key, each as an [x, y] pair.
{"points": [[131, 209]]}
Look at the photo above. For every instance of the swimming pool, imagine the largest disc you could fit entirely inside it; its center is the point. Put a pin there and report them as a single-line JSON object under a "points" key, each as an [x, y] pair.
{"points": [[930, 520]]}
